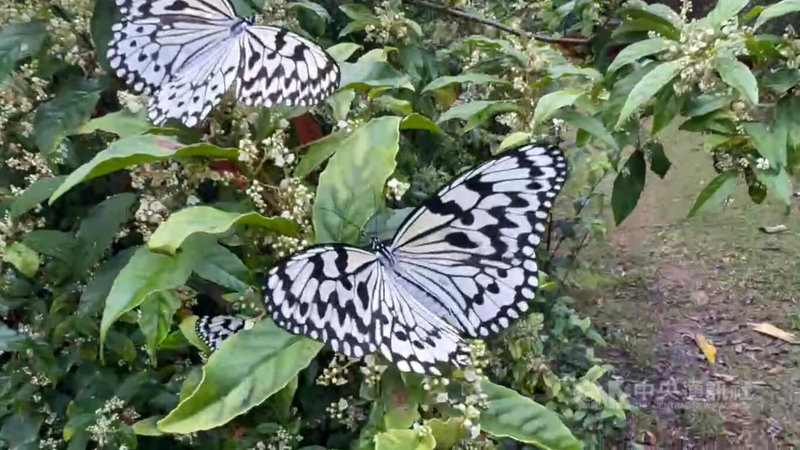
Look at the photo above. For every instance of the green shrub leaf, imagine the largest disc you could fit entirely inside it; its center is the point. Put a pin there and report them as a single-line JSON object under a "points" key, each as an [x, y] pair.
{"points": [[552, 102], [136, 150], [404, 440], [36, 193], [98, 229], [770, 144], [11, 340], [638, 50], [628, 186], [98, 288], [123, 123], [647, 87], [351, 186], [23, 258], [738, 76], [591, 125], [723, 11], [659, 163], [715, 193], [224, 268], [777, 10], [246, 370], [205, 219], [156, 319], [63, 115], [371, 74], [522, 419], [474, 78], [419, 122], [18, 41]]}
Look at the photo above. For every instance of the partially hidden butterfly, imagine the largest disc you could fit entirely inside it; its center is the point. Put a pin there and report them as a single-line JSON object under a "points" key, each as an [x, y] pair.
{"points": [[213, 330], [187, 53], [462, 265]]}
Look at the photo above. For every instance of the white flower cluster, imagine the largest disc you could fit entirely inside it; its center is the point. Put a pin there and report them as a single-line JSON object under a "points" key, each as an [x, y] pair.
{"points": [[149, 215], [14, 230], [396, 189], [338, 409], [278, 13], [336, 372], [132, 102], [294, 202], [392, 25], [107, 419], [372, 370]]}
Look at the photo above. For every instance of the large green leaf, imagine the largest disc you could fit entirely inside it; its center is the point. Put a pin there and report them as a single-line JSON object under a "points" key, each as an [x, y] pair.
{"points": [[738, 76], [628, 186], [724, 10], [404, 440], [715, 193], [205, 219], [136, 150], [371, 74], [145, 274], [778, 183], [156, 319], [591, 125], [771, 144], [98, 288], [467, 111], [474, 78], [659, 163], [638, 50], [552, 102], [18, 41], [22, 257], [11, 340], [103, 17], [342, 51], [221, 266], [246, 370], [319, 152], [36, 193], [98, 229], [63, 115], [648, 86], [665, 108], [123, 123], [777, 10], [520, 418], [351, 186], [58, 244]]}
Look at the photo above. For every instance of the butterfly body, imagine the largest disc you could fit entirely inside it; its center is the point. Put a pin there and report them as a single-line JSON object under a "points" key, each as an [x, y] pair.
{"points": [[188, 53]]}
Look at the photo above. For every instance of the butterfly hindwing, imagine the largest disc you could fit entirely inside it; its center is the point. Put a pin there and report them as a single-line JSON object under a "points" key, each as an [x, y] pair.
{"points": [[343, 296], [187, 53], [213, 330], [470, 250]]}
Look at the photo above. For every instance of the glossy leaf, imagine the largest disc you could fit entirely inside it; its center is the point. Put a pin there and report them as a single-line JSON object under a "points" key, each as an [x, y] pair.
{"points": [[351, 186], [371, 74], [221, 266], [639, 50], [419, 122], [474, 78], [591, 125], [23, 258], [98, 230], [628, 186], [404, 440], [17, 41], [136, 150], [647, 87], [319, 152], [667, 105], [738, 76], [11, 340], [343, 51], [771, 144], [36, 193], [777, 10], [205, 219], [520, 418], [64, 114], [156, 319], [98, 288], [103, 17], [513, 140], [246, 370], [723, 11], [123, 123], [715, 193], [552, 102]]}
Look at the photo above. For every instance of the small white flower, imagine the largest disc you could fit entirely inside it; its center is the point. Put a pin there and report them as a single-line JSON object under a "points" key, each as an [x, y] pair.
{"points": [[762, 164]]}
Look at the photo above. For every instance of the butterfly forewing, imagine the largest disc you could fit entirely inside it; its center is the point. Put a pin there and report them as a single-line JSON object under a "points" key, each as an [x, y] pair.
{"points": [[188, 53], [214, 330], [344, 297], [470, 250]]}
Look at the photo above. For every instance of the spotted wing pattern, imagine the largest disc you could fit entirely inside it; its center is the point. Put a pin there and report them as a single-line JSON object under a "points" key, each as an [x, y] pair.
{"points": [[462, 265], [187, 53], [213, 330]]}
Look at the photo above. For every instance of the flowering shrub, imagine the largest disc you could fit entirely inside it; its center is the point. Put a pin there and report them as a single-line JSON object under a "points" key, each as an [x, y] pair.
{"points": [[115, 234]]}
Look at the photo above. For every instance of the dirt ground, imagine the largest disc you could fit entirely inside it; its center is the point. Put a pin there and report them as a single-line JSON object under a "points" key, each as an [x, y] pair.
{"points": [[661, 280]]}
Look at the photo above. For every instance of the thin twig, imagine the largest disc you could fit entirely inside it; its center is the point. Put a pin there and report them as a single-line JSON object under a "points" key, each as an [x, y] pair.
{"points": [[467, 16]]}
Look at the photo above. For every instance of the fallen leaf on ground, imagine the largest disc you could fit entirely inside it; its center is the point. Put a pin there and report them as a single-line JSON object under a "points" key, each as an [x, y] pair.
{"points": [[725, 377], [708, 350], [773, 370], [773, 229], [772, 330]]}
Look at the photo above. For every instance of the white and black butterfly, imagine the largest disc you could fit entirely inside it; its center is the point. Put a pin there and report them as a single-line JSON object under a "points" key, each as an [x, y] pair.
{"points": [[462, 265], [188, 53], [213, 330]]}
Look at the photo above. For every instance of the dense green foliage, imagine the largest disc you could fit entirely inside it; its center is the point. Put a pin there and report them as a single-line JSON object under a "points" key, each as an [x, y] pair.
{"points": [[117, 234]]}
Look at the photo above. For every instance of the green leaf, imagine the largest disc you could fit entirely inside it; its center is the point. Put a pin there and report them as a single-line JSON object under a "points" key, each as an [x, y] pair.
{"points": [[63, 115], [372, 74], [628, 186], [343, 51], [404, 440], [513, 140], [98, 288], [591, 125], [487, 113], [778, 183], [187, 327], [659, 163], [642, 23], [770, 144], [17, 41], [246, 370], [474, 78], [312, 7], [105, 14], [123, 123], [11, 340], [448, 432], [36, 193], [466, 111], [738, 76], [777, 10], [58, 244], [341, 102], [136, 150], [20, 431], [715, 193], [419, 122], [781, 80], [384, 223], [98, 229], [319, 152], [351, 187], [647, 87], [205, 219], [638, 50], [665, 108], [147, 427], [145, 274], [223, 267], [723, 11], [402, 406], [554, 101], [393, 105], [156, 319], [520, 418]]}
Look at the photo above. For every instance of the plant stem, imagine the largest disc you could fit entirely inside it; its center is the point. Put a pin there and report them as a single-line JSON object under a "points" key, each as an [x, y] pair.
{"points": [[467, 16]]}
